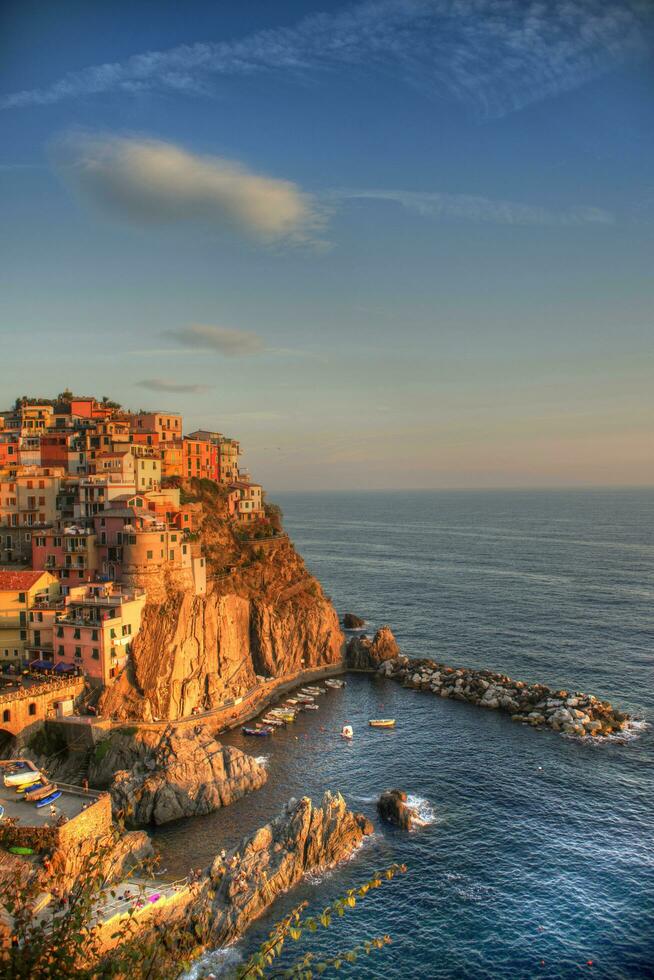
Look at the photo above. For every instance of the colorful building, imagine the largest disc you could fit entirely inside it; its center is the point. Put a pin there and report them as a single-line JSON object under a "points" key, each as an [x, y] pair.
{"points": [[20, 593], [97, 628]]}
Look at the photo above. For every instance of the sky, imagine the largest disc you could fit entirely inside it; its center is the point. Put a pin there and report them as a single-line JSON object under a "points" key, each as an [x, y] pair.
{"points": [[387, 244]]}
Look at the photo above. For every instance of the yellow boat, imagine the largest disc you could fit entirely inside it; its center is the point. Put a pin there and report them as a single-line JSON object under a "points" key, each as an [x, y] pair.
{"points": [[382, 722]]}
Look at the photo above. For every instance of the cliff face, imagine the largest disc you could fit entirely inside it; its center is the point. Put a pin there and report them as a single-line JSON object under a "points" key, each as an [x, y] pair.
{"points": [[263, 614]]}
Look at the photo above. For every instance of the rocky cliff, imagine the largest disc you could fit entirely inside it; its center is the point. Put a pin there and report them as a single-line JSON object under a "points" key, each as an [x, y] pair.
{"points": [[365, 654], [155, 777], [263, 615], [303, 838]]}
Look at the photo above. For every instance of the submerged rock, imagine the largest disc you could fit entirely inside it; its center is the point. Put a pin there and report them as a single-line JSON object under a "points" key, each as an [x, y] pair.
{"points": [[392, 807], [352, 622], [362, 653]]}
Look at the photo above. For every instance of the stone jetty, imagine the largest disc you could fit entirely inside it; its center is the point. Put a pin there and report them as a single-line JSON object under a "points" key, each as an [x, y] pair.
{"points": [[568, 712]]}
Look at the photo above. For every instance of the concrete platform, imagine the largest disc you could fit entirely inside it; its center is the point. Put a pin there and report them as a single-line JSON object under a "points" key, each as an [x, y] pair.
{"points": [[70, 803]]}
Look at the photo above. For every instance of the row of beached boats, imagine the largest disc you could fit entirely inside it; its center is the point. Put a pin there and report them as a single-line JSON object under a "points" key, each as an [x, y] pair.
{"points": [[30, 784], [286, 713]]}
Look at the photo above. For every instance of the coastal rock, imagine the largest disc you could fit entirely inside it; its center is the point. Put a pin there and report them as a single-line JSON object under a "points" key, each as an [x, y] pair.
{"points": [[362, 653], [303, 838], [352, 622], [392, 807], [162, 776]]}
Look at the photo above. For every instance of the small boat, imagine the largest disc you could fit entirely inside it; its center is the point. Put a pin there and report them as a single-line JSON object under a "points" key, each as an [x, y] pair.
{"points": [[271, 720], [48, 799], [25, 776], [290, 701], [382, 722], [2, 811], [27, 789], [34, 781], [257, 731], [332, 682], [313, 691], [21, 850], [347, 731], [38, 793], [306, 699], [312, 707]]}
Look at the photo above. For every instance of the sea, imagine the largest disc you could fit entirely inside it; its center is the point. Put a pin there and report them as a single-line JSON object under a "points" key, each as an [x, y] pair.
{"points": [[535, 853]]}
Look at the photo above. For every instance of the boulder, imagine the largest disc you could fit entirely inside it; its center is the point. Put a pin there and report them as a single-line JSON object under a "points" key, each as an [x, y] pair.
{"points": [[393, 808], [352, 622]]}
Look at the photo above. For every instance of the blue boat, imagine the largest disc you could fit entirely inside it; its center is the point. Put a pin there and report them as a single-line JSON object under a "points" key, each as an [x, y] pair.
{"points": [[257, 731], [48, 799], [33, 787]]}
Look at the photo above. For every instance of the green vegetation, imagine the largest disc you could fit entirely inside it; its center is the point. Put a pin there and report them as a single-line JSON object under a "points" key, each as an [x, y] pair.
{"points": [[47, 741], [101, 749]]}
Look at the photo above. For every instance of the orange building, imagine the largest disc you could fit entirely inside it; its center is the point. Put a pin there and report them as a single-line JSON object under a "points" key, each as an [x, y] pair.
{"points": [[200, 459]]}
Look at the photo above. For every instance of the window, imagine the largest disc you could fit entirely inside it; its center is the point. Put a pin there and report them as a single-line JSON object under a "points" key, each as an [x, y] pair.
{"points": [[78, 653], [95, 653], [149, 555], [60, 651], [94, 634], [6, 715], [77, 635], [21, 597], [32, 708]]}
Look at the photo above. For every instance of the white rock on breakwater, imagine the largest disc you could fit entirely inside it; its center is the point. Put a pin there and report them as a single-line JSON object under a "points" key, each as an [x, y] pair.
{"points": [[534, 704]]}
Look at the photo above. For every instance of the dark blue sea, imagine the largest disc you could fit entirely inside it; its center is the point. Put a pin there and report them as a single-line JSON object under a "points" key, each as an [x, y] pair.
{"points": [[537, 857]]}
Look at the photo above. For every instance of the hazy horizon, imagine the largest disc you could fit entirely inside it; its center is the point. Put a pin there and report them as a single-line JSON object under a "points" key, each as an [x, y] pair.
{"points": [[386, 244]]}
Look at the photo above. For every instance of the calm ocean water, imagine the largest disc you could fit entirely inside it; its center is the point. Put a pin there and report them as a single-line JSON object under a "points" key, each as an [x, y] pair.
{"points": [[540, 854]]}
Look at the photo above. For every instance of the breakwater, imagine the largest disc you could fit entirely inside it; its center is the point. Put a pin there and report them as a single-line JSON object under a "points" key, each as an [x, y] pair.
{"points": [[572, 713]]}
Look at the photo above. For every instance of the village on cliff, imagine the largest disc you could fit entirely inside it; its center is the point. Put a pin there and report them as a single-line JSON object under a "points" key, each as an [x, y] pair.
{"points": [[91, 513]]}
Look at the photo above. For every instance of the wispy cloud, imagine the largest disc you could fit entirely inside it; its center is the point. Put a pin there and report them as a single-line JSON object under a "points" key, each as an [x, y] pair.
{"points": [[496, 55], [162, 384], [149, 182], [224, 340], [472, 207]]}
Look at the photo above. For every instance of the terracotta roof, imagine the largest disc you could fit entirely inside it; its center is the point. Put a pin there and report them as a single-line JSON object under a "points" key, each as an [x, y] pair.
{"points": [[18, 581]]}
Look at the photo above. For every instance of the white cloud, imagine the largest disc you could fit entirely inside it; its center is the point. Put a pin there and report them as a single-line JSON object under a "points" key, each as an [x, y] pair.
{"points": [[495, 55], [225, 340], [472, 207], [162, 384], [150, 182]]}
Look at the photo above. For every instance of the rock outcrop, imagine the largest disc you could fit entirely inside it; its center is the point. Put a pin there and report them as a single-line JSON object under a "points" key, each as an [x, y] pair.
{"points": [[155, 777], [303, 838], [352, 622], [393, 808], [265, 617], [362, 653], [533, 704]]}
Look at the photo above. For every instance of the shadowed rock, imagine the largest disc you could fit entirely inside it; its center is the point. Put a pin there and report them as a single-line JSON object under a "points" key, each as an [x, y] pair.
{"points": [[393, 808]]}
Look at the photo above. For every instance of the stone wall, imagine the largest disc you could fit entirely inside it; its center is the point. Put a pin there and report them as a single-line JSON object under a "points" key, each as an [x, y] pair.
{"points": [[86, 826], [16, 711]]}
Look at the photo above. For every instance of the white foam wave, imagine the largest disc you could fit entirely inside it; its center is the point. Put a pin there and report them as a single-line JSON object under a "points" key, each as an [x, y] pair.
{"points": [[425, 812], [262, 760], [364, 799], [216, 963]]}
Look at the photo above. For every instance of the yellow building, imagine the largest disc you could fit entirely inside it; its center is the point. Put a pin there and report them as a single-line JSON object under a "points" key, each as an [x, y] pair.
{"points": [[20, 594]]}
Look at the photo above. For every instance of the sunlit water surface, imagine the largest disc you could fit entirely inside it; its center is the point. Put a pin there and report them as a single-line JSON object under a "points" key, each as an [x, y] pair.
{"points": [[537, 856]]}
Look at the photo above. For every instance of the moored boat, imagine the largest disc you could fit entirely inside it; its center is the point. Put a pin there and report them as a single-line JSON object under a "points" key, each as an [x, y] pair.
{"points": [[48, 799], [382, 722], [333, 682], [347, 731], [24, 777], [257, 731], [40, 792]]}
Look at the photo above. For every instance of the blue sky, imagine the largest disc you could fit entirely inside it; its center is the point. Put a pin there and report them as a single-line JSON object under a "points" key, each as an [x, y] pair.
{"points": [[386, 244]]}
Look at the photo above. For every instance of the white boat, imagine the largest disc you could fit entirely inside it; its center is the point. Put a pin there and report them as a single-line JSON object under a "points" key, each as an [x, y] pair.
{"points": [[312, 691], [26, 776], [332, 682], [347, 731], [312, 707]]}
